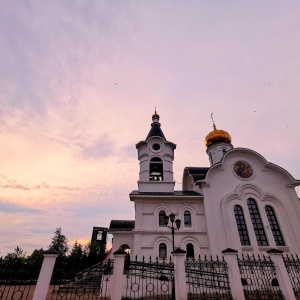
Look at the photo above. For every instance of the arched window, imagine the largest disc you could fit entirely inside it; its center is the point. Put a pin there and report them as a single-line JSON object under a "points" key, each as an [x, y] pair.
{"points": [[241, 225], [162, 214], [162, 251], [156, 169], [190, 251], [210, 158], [187, 218], [257, 223], [126, 248], [274, 226], [224, 151]]}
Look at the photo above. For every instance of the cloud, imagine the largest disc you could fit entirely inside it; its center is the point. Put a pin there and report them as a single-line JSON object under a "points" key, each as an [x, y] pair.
{"points": [[17, 209], [101, 148]]}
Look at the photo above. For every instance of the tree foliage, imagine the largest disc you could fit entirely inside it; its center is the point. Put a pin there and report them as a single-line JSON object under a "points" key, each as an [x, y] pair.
{"points": [[68, 263], [59, 242]]}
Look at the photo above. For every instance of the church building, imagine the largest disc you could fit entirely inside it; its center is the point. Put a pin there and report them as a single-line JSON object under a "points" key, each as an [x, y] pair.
{"points": [[241, 201]]}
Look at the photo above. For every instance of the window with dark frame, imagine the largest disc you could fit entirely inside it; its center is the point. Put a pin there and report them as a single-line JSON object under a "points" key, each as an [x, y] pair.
{"points": [[257, 223], [274, 226], [187, 218], [241, 225], [162, 214], [162, 251]]}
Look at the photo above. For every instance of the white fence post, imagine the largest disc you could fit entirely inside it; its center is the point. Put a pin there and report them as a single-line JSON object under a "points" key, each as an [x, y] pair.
{"points": [[235, 282], [42, 286], [179, 274], [118, 275], [282, 274]]}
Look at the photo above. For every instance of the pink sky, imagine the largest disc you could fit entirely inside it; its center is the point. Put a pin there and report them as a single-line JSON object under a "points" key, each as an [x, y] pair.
{"points": [[79, 82]]}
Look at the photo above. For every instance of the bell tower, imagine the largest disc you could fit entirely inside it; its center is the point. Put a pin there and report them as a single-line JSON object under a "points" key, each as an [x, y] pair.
{"points": [[156, 156]]}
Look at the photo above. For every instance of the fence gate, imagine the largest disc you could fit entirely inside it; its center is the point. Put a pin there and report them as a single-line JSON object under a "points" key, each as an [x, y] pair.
{"points": [[207, 279], [292, 264], [258, 276], [89, 284], [149, 280]]}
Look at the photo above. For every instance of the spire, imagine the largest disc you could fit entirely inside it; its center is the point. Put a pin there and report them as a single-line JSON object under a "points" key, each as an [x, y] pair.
{"points": [[155, 127], [214, 125]]}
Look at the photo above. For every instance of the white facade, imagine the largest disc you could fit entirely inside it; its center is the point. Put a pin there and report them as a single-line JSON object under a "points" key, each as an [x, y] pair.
{"points": [[241, 202]]}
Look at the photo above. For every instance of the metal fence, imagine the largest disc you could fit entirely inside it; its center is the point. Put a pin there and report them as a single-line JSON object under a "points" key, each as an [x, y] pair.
{"points": [[292, 264], [92, 283], [149, 280], [18, 277], [207, 279], [258, 276]]}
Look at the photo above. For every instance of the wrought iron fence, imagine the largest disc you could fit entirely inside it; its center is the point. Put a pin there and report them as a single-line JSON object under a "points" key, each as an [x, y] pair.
{"points": [[258, 276], [207, 279], [92, 283], [149, 280], [18, 277], [292, 264]]}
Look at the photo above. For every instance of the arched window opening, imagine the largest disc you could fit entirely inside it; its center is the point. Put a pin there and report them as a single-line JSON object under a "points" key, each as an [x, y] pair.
{"points": [[274, 226], [257, 223], [187, 218], [125, 248], [224, 151], [241, 225], [190, 251], [210, 158], [156, 169], [162, 214], [162, 251]]}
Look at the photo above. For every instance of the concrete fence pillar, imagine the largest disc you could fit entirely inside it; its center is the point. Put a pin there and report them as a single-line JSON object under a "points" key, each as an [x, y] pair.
{"points": [[230, 256], [282, 274], [42, 286], [118, 275], [179, 274]]}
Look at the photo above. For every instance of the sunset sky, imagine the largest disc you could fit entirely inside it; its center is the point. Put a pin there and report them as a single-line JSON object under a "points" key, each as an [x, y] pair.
{"points": [[79, 81]]}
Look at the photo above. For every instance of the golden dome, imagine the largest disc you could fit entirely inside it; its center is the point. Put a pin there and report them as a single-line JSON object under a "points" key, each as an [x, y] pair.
{"points": [[217, 136], [155, 115]]}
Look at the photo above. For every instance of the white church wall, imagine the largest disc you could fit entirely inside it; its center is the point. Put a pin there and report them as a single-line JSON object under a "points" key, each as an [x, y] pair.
{"points": [[267, 186]]}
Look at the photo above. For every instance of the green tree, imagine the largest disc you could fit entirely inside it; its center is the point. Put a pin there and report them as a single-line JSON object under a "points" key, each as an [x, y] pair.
{"points": [[59, 243], [35, 261], [18, 254]]}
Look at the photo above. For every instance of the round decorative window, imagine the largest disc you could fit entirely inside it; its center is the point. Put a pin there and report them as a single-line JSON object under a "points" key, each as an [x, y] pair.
{"points": [[156, 147], [243, 169]]}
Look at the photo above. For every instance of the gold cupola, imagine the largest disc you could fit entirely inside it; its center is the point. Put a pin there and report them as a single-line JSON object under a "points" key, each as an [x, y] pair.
{"points": [[155, 115], [217, 136]]}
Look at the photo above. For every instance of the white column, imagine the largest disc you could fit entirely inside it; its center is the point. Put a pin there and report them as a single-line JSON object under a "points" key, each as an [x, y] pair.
{"points": [[179, 274], [42, 286], [118, 276], [282, 274], [234, 275]]}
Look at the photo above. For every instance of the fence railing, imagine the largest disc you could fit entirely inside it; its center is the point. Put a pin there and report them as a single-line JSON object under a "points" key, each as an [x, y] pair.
{"points": [[207, 279], [148, 279], [247, 277], [259, 278], [93, 283], [18, 278], [292, 264]]}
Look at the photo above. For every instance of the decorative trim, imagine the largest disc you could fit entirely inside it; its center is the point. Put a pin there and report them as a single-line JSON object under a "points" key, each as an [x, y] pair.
{"points": [[143, 155]]}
